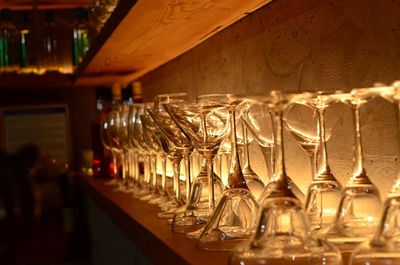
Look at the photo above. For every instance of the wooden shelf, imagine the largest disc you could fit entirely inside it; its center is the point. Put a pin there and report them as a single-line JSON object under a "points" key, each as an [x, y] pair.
{"points": [[15, 80], [44, 4], [139, 221], [142, 36]]}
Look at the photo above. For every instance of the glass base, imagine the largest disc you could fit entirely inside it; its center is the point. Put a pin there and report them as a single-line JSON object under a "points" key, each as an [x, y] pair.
{"points": [[196, 234], [188, 221], [233, 220]]}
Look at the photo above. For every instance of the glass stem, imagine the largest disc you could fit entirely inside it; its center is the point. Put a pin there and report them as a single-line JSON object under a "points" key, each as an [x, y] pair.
{"points": [[236, 178], [323, 170], [313, 162], [136, 173], [395, 191], [268, 154], [246, 154], [154, 172], [121, 166], [147, 169], [188, 180], [210, 177], [177, 186], [163, 172], [115, 164], [358, 152], [130, 164], [279, 155]]}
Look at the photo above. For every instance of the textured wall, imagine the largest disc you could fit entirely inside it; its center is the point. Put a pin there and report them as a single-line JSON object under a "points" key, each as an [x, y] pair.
{"points": [[297, 45]]}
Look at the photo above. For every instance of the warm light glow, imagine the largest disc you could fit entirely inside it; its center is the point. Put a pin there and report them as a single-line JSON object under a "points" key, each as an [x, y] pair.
{"points": [[328, 211]]}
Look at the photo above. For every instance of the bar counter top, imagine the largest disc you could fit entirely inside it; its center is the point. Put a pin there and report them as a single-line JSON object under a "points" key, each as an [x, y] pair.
{"points": [[151, 234]]}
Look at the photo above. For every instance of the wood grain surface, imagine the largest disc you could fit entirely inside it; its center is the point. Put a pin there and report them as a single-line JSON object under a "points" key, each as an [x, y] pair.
{"points": [[154, 32]]}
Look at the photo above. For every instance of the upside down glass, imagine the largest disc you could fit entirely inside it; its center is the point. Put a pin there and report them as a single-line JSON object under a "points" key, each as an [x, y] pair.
{"points": [[354, 222], [283, 235], [384, 247], [324, 192], [233, 219]]}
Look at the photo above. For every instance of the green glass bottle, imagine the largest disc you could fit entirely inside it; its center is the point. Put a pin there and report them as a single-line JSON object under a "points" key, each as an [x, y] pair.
{"points": [[8, 37], [80, 37]]}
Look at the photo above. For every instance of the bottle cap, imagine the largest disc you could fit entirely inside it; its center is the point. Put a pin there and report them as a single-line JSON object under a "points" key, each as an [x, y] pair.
{"points": [[137, 92], [116, 91]]}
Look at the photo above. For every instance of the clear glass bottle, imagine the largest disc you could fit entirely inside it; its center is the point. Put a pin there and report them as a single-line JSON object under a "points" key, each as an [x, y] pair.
{"points": [[80, 36], [27, 55], [8, 39], [49, 60]]}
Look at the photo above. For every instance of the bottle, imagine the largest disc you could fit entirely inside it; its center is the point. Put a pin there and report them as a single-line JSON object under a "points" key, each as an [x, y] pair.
{"points": [[8, 39], [137, 92], [80, 36], [27, 60], [101, 154], [49, 46]]}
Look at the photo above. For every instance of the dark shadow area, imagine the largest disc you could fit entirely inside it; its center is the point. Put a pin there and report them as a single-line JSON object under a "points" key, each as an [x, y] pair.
{"points": [[42, 217]]}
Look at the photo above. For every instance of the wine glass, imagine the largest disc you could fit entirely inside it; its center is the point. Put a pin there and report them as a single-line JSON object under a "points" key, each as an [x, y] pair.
{"points": [[112, 131], [126, 147], [233, 219], [106, 144], [282, 235], [324, 192], [144, 189], [384, 247], [137, 167], [154, 140], [360, 206]]}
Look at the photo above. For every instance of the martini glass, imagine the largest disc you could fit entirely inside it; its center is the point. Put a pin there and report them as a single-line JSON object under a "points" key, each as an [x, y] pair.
{"points": [[282, 235], [233, 219], [324, 192], [206, 125], [360, 206], [258, 120], [179, 148]]}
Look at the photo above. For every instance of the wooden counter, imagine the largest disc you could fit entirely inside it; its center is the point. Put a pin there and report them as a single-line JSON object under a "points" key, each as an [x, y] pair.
{"points": [[151, 234]]}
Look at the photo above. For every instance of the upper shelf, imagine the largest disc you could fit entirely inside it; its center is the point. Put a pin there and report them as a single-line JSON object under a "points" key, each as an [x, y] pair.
{"points": [[43, 4], [140, 36]]}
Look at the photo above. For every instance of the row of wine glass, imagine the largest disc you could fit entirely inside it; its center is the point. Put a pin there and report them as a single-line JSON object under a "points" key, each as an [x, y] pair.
{"points": [[262, 223]]}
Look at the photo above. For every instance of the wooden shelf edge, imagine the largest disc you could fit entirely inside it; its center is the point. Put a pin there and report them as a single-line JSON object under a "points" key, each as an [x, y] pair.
{"points": [[139, 221], [15, 80], [44, 4], [121, 10]]}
